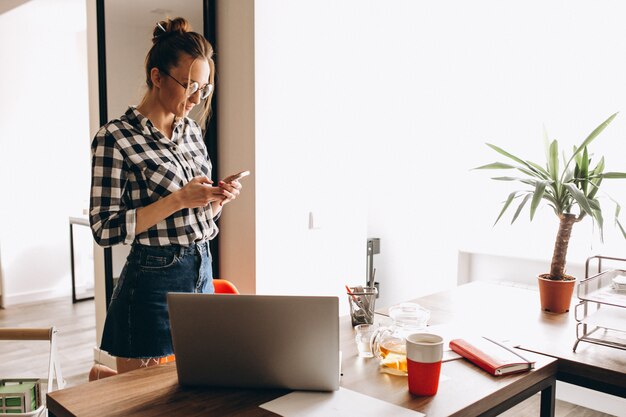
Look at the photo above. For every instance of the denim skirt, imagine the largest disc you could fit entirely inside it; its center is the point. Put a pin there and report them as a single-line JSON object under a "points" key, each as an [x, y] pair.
{"points": [[137, 324]]}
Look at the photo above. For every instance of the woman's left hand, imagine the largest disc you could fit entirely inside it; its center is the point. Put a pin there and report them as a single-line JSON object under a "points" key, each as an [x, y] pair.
{"points": [[231, 191]]}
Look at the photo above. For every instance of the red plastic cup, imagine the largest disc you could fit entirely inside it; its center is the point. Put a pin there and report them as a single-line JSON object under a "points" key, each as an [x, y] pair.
{"points": [[424, 352]]}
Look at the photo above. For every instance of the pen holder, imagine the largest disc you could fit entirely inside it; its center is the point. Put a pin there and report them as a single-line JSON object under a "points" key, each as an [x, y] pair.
{"points": [[362, 301]]}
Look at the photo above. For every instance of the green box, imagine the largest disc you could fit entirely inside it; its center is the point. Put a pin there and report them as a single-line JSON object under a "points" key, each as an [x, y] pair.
{"points": [[19, 395]]}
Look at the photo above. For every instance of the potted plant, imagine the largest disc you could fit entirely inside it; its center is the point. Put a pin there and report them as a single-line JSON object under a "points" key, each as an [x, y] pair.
{"points": [[571, 191]]}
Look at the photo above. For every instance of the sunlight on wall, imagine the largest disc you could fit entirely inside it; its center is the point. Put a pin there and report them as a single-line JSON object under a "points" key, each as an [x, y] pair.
{"points": [[458, 74], [405, 95], [44, 162]]}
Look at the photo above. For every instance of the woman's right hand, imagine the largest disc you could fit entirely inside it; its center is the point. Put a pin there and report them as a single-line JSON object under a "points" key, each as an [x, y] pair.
{"points": [[199, 193]]}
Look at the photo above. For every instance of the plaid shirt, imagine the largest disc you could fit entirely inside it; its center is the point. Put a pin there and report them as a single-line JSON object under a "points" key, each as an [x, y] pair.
{"points": [[133, 165]]}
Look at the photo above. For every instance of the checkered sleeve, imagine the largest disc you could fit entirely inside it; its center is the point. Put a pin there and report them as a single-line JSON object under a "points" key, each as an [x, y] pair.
{"points": [[111, 221]]}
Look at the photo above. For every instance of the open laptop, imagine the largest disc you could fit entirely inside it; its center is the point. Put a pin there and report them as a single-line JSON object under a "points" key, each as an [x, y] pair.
{"points": [[256, 341]]}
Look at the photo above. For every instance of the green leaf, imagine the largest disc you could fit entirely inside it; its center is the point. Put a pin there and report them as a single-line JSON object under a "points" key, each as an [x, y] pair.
{"points": [[541, 174], [594, 204], [528, 171], [532, 183], [597, 216], [569, 175], [584, 170], [537, 196], [496, 165], [579, 197], [507, 203], [554, 209], [600, 167], [547, 196], [621, 228], [595, 133], [505, 178], [576, 155], [595, 184], [520, 207], [613, 175], [539, 168], [553, 162], [505, 153]]}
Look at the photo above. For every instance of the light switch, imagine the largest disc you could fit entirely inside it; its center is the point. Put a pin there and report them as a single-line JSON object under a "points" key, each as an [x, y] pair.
{"points": [[314, 221]]}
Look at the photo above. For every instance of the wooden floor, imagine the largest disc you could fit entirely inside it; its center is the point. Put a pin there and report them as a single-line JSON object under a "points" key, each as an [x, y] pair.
{"points": [[77, 338]]}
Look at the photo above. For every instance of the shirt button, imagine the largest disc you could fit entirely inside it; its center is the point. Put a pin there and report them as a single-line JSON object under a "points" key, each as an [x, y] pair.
{"points": [[174, 149]]}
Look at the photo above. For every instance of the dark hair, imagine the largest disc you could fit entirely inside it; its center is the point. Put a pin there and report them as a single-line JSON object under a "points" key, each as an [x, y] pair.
{"points": [[172, 37]]}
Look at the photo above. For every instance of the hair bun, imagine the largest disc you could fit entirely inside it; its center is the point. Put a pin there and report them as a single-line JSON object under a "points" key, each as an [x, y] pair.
{"points": [[165, 28]]}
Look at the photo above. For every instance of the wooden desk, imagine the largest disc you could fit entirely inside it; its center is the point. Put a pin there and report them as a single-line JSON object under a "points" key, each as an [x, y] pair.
{"points": [[515, 312], [154, 391], [465, 390]]}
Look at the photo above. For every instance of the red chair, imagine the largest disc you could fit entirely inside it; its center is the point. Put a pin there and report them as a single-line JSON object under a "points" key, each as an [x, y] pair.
{"points": [[223, 286]]}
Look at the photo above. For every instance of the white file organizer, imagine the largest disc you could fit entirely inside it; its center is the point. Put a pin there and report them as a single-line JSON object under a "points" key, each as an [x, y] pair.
{"points": [[54, 369], [601, 311]]}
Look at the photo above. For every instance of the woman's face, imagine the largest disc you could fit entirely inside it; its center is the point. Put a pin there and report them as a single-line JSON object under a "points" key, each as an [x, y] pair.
{"points": [[173, 96]]}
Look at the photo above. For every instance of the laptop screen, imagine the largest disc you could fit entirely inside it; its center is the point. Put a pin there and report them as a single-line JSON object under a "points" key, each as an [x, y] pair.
{"points": [[256, 341]]}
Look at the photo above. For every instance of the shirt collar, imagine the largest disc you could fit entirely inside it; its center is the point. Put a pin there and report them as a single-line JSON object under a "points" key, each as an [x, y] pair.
{"points": [[144, 125], [138, 120]]}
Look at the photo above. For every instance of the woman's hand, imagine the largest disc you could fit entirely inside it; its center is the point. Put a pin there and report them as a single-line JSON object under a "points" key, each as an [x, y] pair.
{"points": [[231, 191], [199, 193]]}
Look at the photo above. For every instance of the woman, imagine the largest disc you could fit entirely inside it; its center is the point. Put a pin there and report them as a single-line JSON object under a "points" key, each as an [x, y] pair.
{"points": [[151, 188]]}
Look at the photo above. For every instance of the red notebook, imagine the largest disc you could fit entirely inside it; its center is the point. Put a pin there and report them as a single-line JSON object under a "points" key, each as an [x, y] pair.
{"points": [[492, 356]]}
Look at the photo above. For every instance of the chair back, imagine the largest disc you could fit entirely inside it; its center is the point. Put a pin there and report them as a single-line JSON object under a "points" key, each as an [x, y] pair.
{"points": [[223, 286]]}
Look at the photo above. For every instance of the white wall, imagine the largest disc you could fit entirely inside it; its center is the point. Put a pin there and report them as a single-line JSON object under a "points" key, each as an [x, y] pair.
{"points": [[44, 145], [375, 115], [368, 117], [235, 94], [309, 153], [458, 74]]}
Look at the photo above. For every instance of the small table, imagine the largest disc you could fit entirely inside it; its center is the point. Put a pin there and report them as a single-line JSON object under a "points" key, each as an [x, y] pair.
{"points": [[81, 221]]}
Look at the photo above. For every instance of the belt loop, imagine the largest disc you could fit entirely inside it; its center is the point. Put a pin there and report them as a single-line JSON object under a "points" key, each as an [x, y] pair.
{"points": [[181, 251]]}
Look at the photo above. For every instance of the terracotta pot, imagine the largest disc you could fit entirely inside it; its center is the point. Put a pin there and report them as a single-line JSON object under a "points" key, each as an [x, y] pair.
{"points": [[556, 296]]}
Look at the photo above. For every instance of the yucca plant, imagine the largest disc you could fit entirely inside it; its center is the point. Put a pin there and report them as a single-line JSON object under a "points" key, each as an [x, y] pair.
{"points": [[571, 190]]}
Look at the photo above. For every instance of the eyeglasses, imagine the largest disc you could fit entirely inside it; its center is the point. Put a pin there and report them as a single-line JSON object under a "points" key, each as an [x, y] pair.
{"points": [[193, 87]]}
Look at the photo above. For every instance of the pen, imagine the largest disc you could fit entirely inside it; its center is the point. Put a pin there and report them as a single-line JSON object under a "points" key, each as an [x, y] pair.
{"points": [[350, 292], [360, 303]]}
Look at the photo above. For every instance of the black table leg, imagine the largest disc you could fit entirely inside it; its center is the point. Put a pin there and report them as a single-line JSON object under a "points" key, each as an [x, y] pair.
{"points": [[548, 400]]}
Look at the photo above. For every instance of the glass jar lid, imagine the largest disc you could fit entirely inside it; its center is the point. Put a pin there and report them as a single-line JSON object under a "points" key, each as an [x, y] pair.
{"points": [[410, 314]]}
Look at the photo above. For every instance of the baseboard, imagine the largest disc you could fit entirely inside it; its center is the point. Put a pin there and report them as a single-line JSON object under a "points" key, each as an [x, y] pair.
{"points": [[102, 357], [9, 300], [595, 400]]}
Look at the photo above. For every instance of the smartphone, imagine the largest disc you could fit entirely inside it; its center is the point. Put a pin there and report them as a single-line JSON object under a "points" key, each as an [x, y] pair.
{"points": [[236, 176]]}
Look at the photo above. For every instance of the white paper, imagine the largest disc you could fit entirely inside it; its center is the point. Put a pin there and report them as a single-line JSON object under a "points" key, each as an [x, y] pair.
{"points": [[341, 403]]}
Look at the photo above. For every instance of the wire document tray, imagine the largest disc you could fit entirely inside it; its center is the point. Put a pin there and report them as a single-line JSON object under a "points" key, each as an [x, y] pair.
{"points": [[601, 313]]}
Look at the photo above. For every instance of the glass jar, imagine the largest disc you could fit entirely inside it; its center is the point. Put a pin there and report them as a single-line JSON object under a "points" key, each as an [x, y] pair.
{"points": [[389, 343]]}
